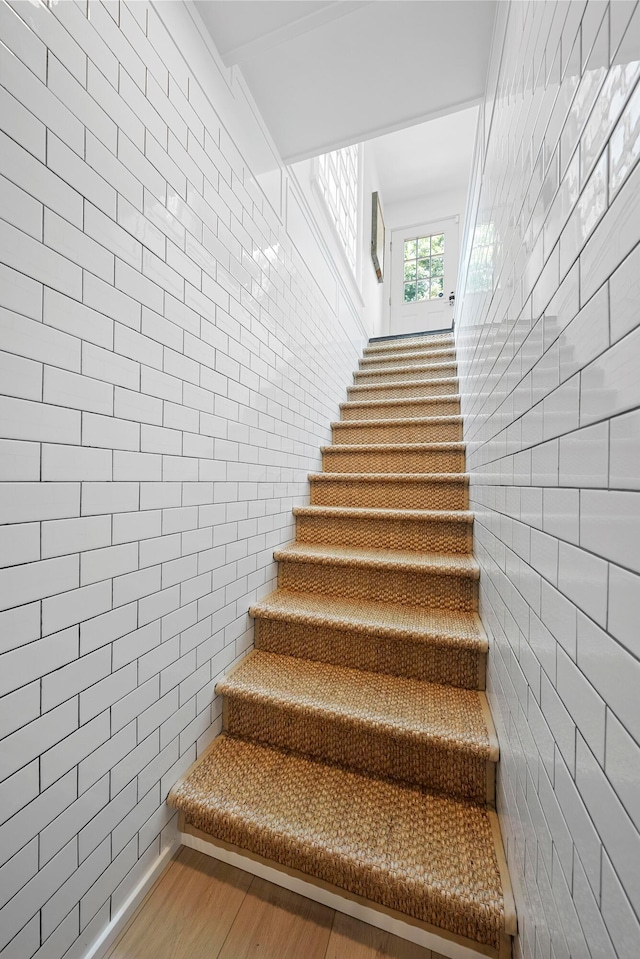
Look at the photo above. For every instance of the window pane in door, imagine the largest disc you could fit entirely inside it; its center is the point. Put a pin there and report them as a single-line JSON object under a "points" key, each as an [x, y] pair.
{"points": [[409, 249], [423, 269], [437, 244], [436, 266], [410, 270], [436, 287], [422, 290], [409, 292], [423, 246]]}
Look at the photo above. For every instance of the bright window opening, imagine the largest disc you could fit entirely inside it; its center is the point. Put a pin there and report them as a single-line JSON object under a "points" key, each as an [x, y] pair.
{"points": [[481, 262], [338, 182], [424, 268]]}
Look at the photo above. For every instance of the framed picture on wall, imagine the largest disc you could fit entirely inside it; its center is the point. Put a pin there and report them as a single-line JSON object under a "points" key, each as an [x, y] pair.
{"points": [[377, 237]]}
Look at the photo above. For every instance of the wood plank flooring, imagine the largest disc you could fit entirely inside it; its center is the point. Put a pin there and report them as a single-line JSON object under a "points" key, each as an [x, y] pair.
{"points": [[201, 908]]}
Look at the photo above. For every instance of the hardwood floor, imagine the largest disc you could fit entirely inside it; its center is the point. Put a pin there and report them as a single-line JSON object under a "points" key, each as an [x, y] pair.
{"points": [[201, 908]]}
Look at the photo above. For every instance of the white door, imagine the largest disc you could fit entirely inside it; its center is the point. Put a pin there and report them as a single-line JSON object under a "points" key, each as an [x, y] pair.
{"points": [[424, 267]]}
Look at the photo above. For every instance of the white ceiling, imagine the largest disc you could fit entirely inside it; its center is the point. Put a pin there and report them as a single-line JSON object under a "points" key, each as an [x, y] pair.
{"points": [[325, 74], [237, 27], [429, 157]]}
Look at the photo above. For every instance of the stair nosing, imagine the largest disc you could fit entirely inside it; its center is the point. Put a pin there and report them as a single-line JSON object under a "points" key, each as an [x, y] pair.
{"points": [[464, 517], [456, 566], [400, 343], [404, 367], [453, 447], [402, 401], [389, 378], [328, 477], [367, 363], [453, 419], [416, 348], [376, 386]]}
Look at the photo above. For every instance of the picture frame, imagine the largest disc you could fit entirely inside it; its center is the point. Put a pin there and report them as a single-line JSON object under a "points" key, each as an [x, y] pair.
{"points": [[377, 237]]}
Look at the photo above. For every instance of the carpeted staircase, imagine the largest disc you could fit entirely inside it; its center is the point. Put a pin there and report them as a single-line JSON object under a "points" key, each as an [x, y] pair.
{"points": [[359, 748]]}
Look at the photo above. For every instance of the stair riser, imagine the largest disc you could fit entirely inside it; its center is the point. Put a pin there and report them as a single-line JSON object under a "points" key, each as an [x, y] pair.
{"points": [[414, 409], [400, 391], [384, 495], [366, 435], [403, 587], [439, 371], [432, 536], [459, 773], [432, 662], [394, 461], [414, 359]]}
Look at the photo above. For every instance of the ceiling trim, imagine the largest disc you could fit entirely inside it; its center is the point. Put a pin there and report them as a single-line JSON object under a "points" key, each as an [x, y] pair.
{"points": [[297, 28], [372, 133]]}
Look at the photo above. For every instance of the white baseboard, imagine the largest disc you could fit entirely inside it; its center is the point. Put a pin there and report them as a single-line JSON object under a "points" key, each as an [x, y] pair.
{"points": [[108, 936], [404, 930], [350, 907]]}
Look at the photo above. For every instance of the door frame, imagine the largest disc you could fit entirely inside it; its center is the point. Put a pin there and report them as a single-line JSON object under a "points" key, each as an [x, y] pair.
{"points": [[444, 316]]}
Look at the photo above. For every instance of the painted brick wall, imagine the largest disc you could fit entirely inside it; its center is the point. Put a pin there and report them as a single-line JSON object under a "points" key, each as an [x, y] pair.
{"points": [[169, 370], [549, 342]]}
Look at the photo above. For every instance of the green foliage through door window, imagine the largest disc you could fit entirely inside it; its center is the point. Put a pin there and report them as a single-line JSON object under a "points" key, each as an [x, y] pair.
{"points": [[424, 268]]}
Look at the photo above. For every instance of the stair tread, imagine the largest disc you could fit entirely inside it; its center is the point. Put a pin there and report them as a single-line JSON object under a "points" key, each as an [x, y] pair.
{"points": [[398, 421], [347, 448], [422, 354], [438, 626], [410, 363], [370, 387], [415, 349], [369, 512], [409, 342], [461, 478], [446, 564], [433, 857], [403, 368], [408, 708], [401, 401]]}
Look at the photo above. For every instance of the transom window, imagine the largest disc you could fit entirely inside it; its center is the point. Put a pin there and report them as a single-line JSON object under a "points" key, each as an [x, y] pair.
{"points": [[338, 182], [424, 268]]}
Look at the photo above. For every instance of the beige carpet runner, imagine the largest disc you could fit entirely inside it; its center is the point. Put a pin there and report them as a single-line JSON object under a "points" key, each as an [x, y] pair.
{"points": [[358, 745]]}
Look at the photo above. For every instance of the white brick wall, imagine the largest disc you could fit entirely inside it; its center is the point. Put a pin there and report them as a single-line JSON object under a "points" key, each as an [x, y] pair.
{"points": [[169, 368], [549, 350]]}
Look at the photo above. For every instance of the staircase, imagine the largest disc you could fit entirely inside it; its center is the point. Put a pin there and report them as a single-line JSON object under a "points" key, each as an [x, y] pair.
{"points": [[359, 749]]}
